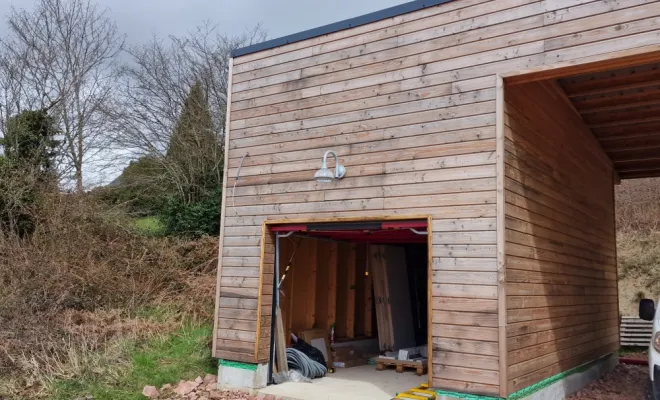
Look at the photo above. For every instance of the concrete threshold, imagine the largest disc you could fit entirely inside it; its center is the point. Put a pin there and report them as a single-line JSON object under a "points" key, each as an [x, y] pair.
{"points": [[356, 383]]}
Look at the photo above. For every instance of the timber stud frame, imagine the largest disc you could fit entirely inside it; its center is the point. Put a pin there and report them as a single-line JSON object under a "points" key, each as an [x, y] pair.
{"points": [[268, 246], [448, 110]]}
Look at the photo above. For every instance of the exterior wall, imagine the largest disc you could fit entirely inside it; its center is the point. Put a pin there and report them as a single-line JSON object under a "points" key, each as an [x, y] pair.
{"points": [[560, 238], [409, 105]]}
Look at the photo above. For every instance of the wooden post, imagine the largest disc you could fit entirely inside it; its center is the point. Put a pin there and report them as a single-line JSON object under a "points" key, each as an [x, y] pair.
{"points": [[311, 286], [303, 313], [222, 215], [350, 290], [286, 290], [332, 286], [429, 298], [501, 238], [262, 259], [376, 272], [341, 314], [326, 285], [368, 294], [280, 343]]}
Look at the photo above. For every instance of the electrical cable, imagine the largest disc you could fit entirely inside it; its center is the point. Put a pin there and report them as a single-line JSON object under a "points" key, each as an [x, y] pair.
{"points": [[238, 174], [299, 361], [289, 264]]}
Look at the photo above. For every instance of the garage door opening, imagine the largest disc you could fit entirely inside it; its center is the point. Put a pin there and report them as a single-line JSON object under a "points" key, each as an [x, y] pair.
{"points": [[363, 286]]}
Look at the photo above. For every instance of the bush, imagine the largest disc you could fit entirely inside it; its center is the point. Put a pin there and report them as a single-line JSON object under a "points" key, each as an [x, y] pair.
{"points": [[18, 198], [193, 219], [149, 226], [79, 280], [141, 189]]}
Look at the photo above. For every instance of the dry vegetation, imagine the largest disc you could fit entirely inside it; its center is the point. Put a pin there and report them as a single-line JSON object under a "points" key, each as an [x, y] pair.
{"points": [[638, 242], [82, 284]]}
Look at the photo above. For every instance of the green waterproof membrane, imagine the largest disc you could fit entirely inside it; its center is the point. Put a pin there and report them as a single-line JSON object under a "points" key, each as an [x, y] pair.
{"points": [[522, 393], [236, 364]]}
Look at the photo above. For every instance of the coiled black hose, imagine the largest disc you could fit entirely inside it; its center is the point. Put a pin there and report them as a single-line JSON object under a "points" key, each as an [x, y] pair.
{"points": [[299, 361]]}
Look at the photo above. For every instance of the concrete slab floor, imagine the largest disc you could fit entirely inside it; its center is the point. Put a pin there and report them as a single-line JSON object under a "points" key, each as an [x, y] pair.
{"points": [[357, 383]]}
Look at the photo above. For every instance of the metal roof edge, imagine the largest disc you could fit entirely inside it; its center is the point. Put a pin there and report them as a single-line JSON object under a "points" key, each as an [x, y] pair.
{"points": [[339, 26]]}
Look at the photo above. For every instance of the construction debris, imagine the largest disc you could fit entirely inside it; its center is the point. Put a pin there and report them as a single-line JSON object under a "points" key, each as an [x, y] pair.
{"points": [[347, 357], [150, 391], [199, 389], [421, 392]]}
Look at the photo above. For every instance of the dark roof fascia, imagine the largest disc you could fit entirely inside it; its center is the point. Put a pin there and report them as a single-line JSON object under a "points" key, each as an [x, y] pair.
{"points": [[339, 26]]}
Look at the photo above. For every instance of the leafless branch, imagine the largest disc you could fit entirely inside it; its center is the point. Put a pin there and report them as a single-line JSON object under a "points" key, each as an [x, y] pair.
{"points": [[61, 56]]}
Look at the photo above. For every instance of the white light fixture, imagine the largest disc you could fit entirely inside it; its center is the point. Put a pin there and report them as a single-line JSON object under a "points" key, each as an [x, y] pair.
{"points": [[324, 174]]}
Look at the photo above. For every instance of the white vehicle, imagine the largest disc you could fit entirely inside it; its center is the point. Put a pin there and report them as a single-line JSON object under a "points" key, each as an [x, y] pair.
{"points": [[648, 312]]}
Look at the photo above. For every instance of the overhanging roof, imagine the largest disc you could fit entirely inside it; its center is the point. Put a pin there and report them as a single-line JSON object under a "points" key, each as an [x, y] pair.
{"points": [[622, 109], [339, 26]]}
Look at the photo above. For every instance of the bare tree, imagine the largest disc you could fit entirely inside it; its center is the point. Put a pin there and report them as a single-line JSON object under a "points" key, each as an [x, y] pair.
{"points": [[62, 55], [155, 85]]}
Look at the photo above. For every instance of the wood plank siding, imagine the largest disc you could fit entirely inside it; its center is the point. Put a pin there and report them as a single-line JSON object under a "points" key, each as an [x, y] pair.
{"points": [[409, 105], [562, 305]]}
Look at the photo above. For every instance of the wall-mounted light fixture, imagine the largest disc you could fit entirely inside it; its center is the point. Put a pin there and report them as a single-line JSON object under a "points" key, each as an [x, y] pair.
{"points": [[324, 175]]}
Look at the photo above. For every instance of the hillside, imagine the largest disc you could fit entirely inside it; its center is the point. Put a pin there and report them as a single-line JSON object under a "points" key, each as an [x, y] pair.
{"points": [[90, 305], [638, 242]]}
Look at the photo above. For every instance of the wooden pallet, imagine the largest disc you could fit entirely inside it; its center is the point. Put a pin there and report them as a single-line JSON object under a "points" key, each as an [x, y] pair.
{"points": [[420, 366], [636, 332]]}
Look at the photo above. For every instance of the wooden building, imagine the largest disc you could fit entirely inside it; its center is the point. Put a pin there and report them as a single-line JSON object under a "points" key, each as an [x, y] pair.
{"points": [[501, 124]]}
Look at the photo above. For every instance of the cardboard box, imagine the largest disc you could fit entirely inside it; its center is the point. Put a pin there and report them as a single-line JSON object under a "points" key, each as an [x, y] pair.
{"points": [[345, 354]]}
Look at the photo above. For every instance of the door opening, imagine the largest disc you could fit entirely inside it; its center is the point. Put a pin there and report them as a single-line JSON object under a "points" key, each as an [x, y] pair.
{"points": [[364, 285]]}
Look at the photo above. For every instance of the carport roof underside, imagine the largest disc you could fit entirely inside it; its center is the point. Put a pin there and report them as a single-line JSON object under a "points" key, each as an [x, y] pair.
{"points": [[622, 109]]}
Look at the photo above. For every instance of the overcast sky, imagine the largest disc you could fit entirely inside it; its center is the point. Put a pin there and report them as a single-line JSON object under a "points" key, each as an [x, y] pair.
{"points": [[139, 19]]}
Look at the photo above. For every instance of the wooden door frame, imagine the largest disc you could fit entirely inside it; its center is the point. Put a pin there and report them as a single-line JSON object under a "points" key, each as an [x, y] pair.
{"points": [[265, 230]]}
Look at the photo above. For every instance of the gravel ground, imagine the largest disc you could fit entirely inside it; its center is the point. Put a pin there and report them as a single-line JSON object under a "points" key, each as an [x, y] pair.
{"points": [[626, 382]]}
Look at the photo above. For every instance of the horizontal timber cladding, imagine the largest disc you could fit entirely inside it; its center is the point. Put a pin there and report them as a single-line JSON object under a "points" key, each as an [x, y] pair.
{"points": [[562, 308], [409, 105]]}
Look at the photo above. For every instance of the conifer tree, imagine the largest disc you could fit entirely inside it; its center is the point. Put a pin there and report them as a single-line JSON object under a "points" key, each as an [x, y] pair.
{"points": [[194, 153]]}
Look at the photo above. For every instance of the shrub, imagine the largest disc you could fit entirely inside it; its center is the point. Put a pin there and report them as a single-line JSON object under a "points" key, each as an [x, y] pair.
{"points": [[193, 219], [19, 192], [141, 189], [79, 280]]}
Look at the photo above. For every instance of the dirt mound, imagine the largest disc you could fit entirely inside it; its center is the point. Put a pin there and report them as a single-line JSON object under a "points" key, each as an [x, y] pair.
{"points": [[638, 242]]}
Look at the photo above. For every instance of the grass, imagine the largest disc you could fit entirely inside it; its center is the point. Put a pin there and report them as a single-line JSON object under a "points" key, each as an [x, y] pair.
{"points": [[150, 225], [183, 354]]}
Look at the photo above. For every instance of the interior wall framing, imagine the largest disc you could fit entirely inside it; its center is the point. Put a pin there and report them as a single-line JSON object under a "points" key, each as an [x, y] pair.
{"points": [[326, 285], [262, 347]]}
